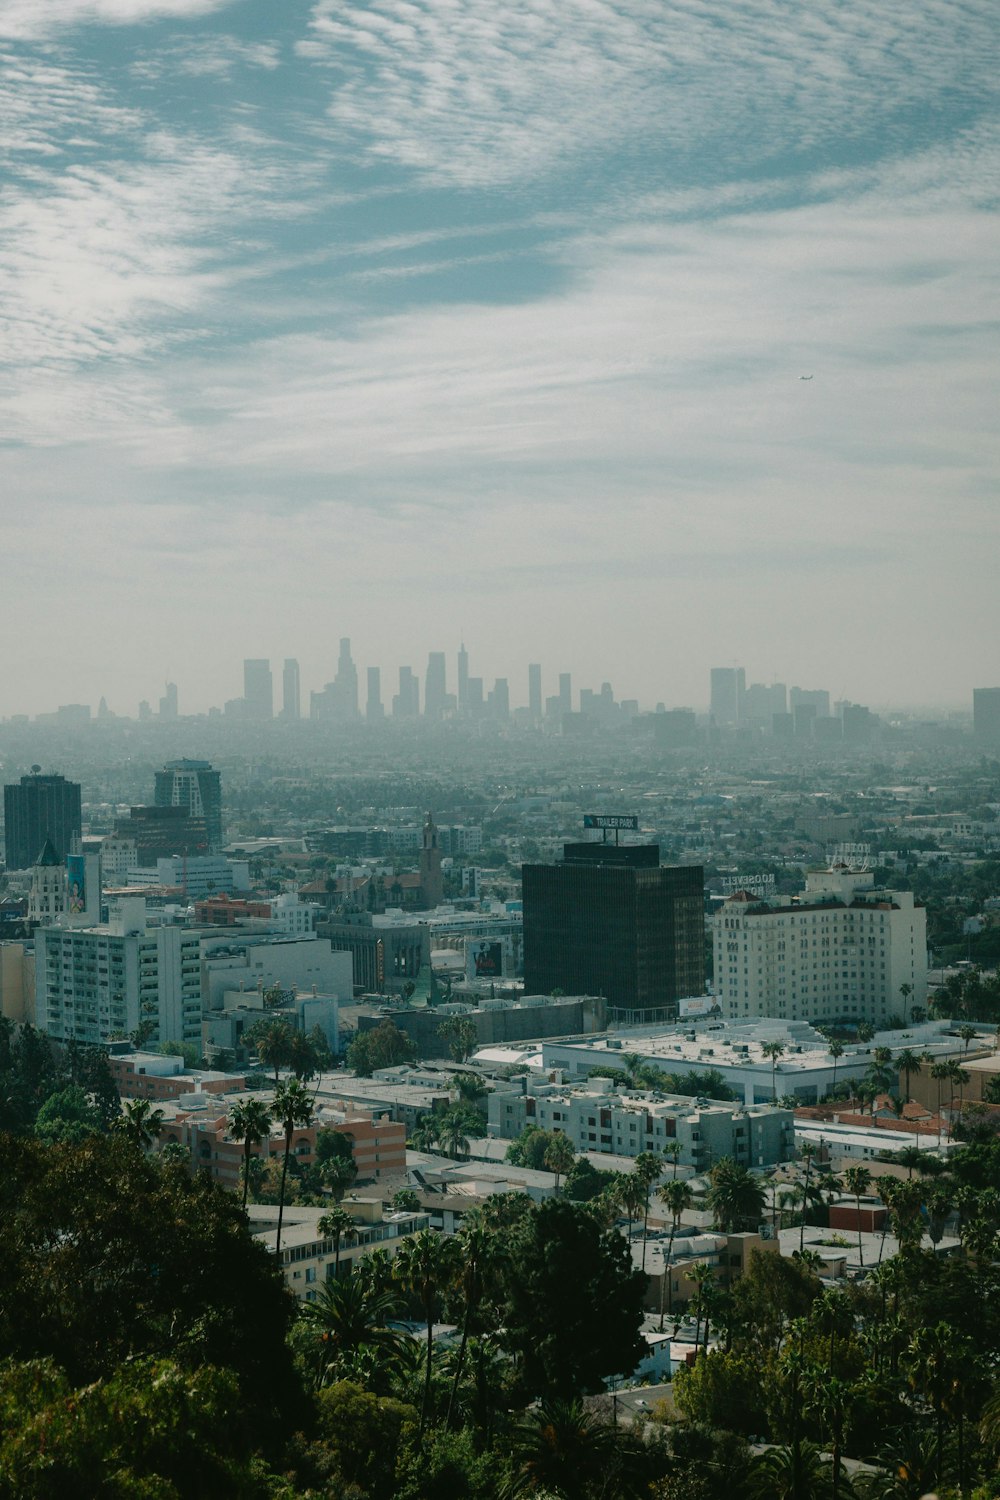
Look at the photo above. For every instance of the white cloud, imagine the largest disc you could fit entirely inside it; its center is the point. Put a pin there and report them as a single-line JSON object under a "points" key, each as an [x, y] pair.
{"points": [[32, 19]]}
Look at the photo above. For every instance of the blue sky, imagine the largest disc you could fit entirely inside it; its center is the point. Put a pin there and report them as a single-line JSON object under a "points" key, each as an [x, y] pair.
{"points": [[428, 317]]}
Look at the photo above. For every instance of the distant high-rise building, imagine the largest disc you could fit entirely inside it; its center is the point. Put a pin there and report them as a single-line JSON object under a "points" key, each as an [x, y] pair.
{"points": [[194, 786], [258, 691], [346, 682], [36, 809], [612, 921], [374, 711], [435, 686], [474, 695], [463, 679], [291, 695], [565, 693], [819, 698], [168, 703], [500, 699], [535, 690], [986, 713], [728, 685], [406, 703]]}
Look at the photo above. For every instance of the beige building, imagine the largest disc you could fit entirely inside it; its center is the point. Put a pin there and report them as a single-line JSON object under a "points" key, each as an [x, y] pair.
{"points": [[17, 982], [842, 951]]}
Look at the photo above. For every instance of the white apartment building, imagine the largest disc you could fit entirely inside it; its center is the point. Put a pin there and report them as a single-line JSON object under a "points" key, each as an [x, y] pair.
{"points": [[95, 983], [840, 951]]}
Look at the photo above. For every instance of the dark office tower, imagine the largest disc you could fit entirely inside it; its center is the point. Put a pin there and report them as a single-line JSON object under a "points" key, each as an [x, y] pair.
{"points": [[345, 684], [168, 703], [565, 693], [818, 698], [291, 693], [374, 712], [435, 686], [195, 787], [728, 688], [406, 703], [535, 691], [500, 699], [258, 693], [39, 808], [986, 713], [463, 679], [612, 921], [474, 695]]}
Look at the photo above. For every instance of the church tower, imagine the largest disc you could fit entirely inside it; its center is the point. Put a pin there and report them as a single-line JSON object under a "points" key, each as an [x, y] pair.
{"points": [[431, 880]]}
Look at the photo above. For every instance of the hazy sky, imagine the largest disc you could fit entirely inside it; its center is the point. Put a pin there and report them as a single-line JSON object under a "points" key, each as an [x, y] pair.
{"points": [[425, 318]]}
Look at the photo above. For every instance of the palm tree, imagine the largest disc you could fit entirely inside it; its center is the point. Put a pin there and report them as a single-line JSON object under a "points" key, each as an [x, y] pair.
{"points": [[334, 1225], [961, 1077], [940, 1072], [908, 1063], [477, 1247], [832, 1400], [703, 1276], [798, 1472], [425, 1263], [249, 1122], [908, 1157], [140, 1123], [807, 1152], [836, 1051], [906, 990], [968, 1034], [559, 1155], [561, 1448], [293, 1107], [672, 1152], [677, 1197], [736, 1197], [773, 1050], [452, 1136], [858, 1181], [352, 1315], [647, 1167], [425, 1134], [631, 1195]]}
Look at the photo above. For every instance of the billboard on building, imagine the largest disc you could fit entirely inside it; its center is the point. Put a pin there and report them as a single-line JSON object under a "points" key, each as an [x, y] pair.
{"points": [[697, 1006], [484, 959], [76, 883], [626, 822]]}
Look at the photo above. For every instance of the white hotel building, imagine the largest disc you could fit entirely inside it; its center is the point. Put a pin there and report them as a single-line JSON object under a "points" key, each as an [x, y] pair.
{"points": [[839, 952]]}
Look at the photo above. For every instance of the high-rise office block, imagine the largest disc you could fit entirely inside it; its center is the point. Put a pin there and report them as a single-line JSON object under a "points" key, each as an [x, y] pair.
{"points": [[463, 679], [346, 683], [168, 703], [291, 694], [406, 703], [194, 786], [474, 695], [39, 808], [817, 698], [374, 712], [435, 686], [565, 693], [500, 699], [258, 691], [986, 713], [612, 921], [728, 686], [535, 691]]}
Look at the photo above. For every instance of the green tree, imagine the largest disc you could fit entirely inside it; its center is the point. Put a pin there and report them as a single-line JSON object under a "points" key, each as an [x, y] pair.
{"points": [[140, 1123], [908, 1063], [647, 1168], [293, 1108], [249, 1122], [67, 1116], [573, 1303], [677, 1197], [350, 1316], [559, 1155], [461, 1036], [383, 1046], [406, 1201], [271, 1038], [836, 1051], [452, 1137], [478, 1249], [336, 1224], [858, 1181], [425, 1263], [735, 1196], [773, 1050], [562, 1449], [726, 1389]]}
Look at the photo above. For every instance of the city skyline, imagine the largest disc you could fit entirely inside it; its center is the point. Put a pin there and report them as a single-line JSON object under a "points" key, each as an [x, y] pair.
{"points": [[643, 331]]}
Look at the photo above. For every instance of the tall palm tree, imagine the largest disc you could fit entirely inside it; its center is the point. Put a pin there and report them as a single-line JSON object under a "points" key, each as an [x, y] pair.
{"points": [[334, 1225], [561, 1448], [807, 1152], [477, 1247], [293, 1107], [832, 1400], [836, 1051], [452, 1136], [425, 1263], [703, 1276], [559, 1155], [798, 1472], [941, 1073], [140, 1123], [677, 1197], [968, 1034], [631, 1195], [906, 990], [908, 1062], [249, 1122], [672, 1152], [858, 1181], [960, 1077], [773, 1050], [647, 1167]]}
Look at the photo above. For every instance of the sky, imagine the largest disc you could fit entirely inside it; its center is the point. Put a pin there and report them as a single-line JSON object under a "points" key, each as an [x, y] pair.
{"points": [[418, 320]]}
